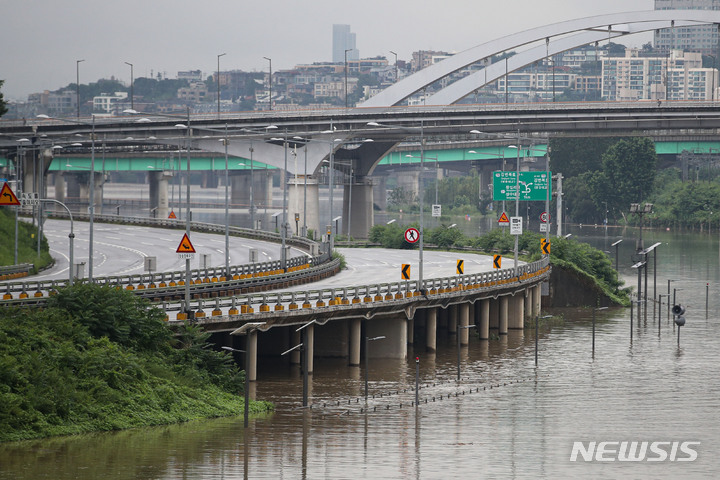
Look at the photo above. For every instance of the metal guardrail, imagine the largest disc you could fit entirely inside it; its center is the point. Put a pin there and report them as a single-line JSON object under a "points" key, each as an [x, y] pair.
{"points": [[254, 303], [15, 271], [201, 277]]}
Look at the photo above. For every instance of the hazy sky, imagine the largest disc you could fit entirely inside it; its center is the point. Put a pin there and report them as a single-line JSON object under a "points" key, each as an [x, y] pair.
{"points": [[40, 40]]}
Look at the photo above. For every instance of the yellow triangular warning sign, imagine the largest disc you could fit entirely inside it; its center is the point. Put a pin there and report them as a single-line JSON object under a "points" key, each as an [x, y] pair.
{"points": [[503, 218], [172, 215], [7, 196], [186, 245]]}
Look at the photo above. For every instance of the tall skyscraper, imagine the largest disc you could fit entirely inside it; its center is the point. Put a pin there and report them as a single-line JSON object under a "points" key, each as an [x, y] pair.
{"points": [[702, 38], [343, 39]]}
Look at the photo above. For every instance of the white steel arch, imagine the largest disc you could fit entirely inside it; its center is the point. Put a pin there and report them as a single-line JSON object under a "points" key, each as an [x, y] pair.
{"points": [[591, 29]]}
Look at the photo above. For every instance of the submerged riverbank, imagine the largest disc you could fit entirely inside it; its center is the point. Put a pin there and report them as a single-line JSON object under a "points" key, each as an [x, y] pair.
{"points": [[98, 359]]}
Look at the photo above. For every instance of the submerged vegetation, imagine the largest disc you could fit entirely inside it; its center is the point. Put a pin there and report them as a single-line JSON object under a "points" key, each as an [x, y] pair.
{"points": [[98, 359]]}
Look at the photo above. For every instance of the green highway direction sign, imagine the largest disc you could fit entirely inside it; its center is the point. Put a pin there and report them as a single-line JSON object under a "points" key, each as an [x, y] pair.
{"points": [[533, 186]]}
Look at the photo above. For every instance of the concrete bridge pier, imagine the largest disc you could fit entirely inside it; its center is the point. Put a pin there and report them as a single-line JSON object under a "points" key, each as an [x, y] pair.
{"points": [[504, 312], [158, 181], [464, 317], [452, 318], [252, 350], [484, 326], [516, 317], [380, 192], [355, 336], [296, 340], [358, 210], [394, 345], [431, 330], [529, 305], [301, 191], [59, 190], [409, 179], [261, 188], [495, 313]]}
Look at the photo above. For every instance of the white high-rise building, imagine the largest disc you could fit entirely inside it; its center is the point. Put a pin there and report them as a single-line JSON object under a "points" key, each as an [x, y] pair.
{"points": [[343, 39], [702, 38]]}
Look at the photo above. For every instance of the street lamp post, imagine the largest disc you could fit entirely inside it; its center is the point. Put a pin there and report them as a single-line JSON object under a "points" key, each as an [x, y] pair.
{"points": [[132, 95], [367, 340], [227, 208], [346, 77], [92, 201], [396, 66], [77, 84], [269, 84], [218, 84], [246, 412]]}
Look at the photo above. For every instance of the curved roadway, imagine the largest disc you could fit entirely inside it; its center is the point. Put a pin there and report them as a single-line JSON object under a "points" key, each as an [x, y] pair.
{"points": [[121, 249]]}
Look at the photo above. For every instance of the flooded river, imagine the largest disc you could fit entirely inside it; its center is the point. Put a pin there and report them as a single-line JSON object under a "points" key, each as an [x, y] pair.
{"points": [[505, 418]]}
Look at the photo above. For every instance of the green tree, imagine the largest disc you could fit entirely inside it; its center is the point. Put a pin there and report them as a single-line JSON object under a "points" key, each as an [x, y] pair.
{"points": [[628, 174], [3, 104], [574, 156]]}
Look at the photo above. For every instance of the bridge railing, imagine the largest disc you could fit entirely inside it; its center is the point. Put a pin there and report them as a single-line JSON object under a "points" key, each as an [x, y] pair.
{"points": [[26, 289], [265, 302]]}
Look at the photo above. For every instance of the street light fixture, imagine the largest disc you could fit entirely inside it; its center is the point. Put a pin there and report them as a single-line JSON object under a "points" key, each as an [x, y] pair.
{"points": [[269, 83], [396, 66], [218, 84], [367, 340], [346, 76], [132, 95], [246, 412], [77, 84]]}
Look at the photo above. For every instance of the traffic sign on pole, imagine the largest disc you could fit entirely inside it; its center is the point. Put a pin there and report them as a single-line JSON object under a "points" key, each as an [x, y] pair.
{"points": [[516, 224], [497, 261], [460, 268], [405, 271], [544, 217], [412, 235], [7, 196], [437, 210], [504, 220], [533, 185], [186, 249]]}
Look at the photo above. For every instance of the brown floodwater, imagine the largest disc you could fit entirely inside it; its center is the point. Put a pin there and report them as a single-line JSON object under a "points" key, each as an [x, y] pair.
{"points": [[505, 418]]}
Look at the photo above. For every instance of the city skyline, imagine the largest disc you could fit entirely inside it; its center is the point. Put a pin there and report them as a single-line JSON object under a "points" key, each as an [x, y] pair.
{"points": [[41, 51]]}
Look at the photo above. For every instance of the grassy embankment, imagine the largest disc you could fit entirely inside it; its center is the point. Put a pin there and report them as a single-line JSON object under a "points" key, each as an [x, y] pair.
{"points": [[98, 359], [27, 242]]}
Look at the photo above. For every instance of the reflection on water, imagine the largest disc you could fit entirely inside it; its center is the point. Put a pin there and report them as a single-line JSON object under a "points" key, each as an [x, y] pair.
{"points": [[524, 426]]}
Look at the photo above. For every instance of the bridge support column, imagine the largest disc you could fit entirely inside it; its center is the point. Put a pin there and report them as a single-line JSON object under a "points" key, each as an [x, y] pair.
{"points": [[495, 313], [516, 320], [355, 334], [529, 291], [411, 329], [310, 347], [297, 199], [537, 299], [395, 343], [358, 210], [504, 304], [484, 327], [409, 180], [431, 330], [261, 188], [251, 347], [296, 340], [464, 315], [158, 193], [380, 192], [452, 318], [73, 189], [59, 190]]}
